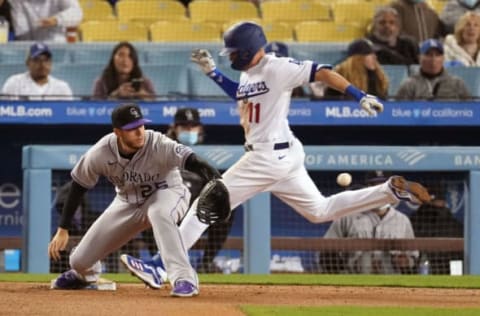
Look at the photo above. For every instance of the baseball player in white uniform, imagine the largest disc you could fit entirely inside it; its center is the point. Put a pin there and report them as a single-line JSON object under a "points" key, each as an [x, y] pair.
{"points": [[274, 157], [144, 167], [37, 83]]}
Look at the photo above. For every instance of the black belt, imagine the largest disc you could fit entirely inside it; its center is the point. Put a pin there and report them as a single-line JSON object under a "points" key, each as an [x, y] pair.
{"points": [[277, 146]]}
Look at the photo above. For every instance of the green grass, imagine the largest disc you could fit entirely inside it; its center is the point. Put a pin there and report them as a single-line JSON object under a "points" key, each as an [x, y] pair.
{"points": [[251, 310], [432, 281]]}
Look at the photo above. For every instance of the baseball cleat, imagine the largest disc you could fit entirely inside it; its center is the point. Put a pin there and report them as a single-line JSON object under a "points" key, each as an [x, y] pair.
{"points": [[70, 280], [152, 276], [184, 288], [408, 190]]}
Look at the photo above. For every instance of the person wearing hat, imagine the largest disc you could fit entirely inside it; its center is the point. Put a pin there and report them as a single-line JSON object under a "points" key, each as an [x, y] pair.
{"points": [[362, 69], [144, 166], [432, 82], [187, 127], [37, 83], [385, 222]]}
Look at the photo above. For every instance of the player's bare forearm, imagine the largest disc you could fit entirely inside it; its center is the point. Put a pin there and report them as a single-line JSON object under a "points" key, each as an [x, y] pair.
{"points": [[332, 79]]}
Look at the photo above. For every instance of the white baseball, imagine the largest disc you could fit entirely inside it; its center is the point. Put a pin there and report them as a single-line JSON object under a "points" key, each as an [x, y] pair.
{"points": [[344, 179]]}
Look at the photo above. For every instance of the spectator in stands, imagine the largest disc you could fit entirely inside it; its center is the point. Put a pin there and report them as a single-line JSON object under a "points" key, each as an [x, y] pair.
{"points": [[44, 20], [432, 81], [362, 69], [122, 78], [454, 9], [391, 47], [463, 46], [382, 223], [280, 49], [37, 83], [418, 19]]}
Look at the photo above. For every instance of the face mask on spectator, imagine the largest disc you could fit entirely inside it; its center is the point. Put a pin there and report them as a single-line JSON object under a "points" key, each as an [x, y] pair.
{"points": [[188, 137]]}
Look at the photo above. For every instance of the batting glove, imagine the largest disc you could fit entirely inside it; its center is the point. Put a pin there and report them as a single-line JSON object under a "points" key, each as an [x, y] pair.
{"points": [[371, 104], [203, 58]]}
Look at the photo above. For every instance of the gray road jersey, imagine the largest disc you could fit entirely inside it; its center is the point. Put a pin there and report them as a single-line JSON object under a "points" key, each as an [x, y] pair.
{"points": [[155, 166]]}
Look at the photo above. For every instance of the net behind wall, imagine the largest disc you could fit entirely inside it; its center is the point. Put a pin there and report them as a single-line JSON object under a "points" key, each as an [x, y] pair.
{"points": [[444, 219]]}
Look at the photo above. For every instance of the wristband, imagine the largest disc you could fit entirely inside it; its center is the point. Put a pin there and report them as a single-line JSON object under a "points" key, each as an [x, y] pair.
{"points": [[356, 93]]}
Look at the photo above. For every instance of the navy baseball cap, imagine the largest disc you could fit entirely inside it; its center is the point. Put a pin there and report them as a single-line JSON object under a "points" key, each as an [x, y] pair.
{"points": [[431, 44], [38, 49], [187, 116], [280, 49], [128, 116]]}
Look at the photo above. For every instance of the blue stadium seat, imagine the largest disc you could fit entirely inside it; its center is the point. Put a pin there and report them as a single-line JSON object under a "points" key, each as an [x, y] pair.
{"points": [[18, 55], [327, 53], [91, 55], [168, 80], [396, 74], [471, 76], [80, 77], [10, 69], [202, 86], [167, 57]]}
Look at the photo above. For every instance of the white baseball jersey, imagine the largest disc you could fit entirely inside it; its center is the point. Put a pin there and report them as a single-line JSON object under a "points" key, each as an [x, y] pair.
{"points": [[23, 85], [267, 88], [150, 192]]}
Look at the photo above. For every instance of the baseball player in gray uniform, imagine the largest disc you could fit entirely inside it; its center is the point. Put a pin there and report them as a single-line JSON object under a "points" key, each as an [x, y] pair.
{"points": [[274, 157], [144, 167]]}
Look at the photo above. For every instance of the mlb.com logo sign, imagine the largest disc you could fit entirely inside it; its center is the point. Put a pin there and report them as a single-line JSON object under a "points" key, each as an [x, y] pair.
{"points": [[169, 111]]}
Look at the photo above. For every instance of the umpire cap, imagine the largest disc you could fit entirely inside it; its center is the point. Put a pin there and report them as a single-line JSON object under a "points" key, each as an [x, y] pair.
{"points": [[128, 116]]}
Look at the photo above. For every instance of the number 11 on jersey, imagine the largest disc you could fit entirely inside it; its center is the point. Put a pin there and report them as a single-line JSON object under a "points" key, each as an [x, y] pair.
{"points": [[253, 112]]}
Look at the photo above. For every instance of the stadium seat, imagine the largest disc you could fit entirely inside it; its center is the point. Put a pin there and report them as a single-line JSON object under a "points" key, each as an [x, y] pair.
{"points": [[326, 53], [80, 77], [18, 55], [168, 80], [356, 12], [95, 10], [327, 31], [170, 31], [278, 31], [293, 12], [396, 74], [201, 86], [113, 31], [471, 76], [167, 57], [221, 11], [91, 55], [11, 69], [150, 10]]}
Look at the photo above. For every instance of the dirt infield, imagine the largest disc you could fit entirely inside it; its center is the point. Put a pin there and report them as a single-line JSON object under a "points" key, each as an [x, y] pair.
{"points": [[135, 299]]}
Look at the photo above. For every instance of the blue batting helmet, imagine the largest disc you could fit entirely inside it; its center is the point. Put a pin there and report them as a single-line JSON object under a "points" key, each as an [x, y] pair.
{"points": [[246, 39]]}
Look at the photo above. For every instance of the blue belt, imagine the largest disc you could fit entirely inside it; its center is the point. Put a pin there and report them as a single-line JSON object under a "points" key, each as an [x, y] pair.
{"points": [[277, 146]]}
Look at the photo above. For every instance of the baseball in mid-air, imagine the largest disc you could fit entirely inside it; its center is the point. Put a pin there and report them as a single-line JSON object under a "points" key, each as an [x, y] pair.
{"points": [[344, 179]]}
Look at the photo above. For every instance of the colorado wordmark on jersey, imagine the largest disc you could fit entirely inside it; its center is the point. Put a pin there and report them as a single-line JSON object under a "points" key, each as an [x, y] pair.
{"points": [[154, 167]]}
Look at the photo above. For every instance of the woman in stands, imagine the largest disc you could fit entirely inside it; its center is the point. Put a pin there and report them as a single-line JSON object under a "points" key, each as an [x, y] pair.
{"points": [[461, 47], [122, 78], [362, 69]]}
